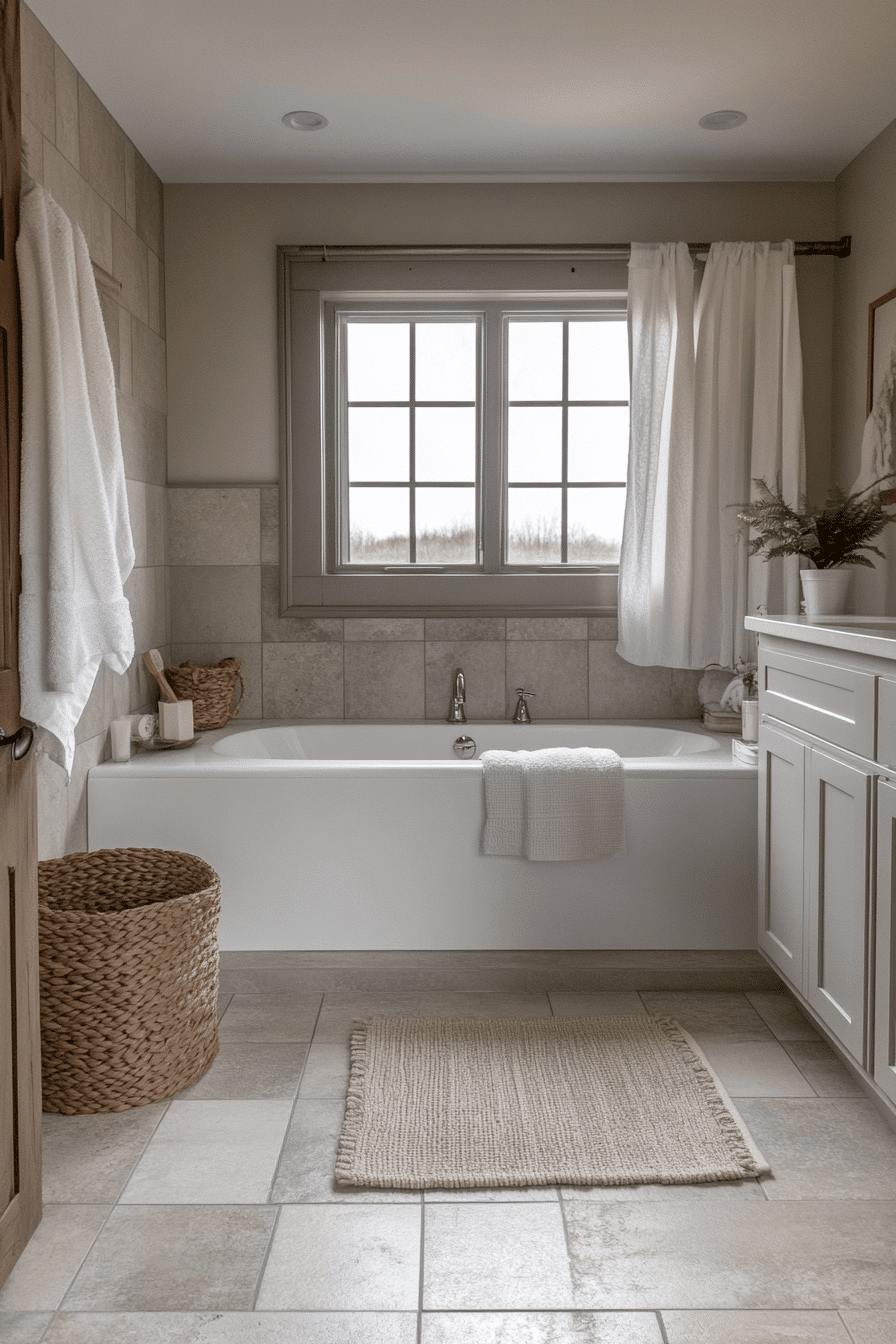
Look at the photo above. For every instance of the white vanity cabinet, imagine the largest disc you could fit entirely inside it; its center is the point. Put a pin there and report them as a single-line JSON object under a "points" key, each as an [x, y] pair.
{"points": [[827, 823]]}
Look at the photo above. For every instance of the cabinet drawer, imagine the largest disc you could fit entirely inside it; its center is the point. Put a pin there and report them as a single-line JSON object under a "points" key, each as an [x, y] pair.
{"points": [[834, 703]]}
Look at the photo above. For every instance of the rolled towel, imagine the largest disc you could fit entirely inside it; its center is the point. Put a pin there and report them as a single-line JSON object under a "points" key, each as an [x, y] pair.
{"points": [[733, 694]]}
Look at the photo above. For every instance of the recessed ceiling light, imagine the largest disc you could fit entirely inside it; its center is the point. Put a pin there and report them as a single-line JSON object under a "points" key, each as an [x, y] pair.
{"points": [[305, 121], [722, 121]]}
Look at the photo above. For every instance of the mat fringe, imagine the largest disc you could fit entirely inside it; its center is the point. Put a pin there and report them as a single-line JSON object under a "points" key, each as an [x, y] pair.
{"points": [[731, 1131], [354, 1108]]}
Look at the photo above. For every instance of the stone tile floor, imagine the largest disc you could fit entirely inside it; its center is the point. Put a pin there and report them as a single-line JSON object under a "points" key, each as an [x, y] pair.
{"points": [[213, 1218]]}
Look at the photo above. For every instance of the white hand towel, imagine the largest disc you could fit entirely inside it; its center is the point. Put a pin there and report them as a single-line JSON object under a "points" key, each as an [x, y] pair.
{"points": [[574, 804], [503, 777], [76, 540], [564, 803]]}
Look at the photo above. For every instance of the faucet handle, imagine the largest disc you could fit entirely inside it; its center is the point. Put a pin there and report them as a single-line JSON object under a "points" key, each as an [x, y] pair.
{"points": [[521, 713]]}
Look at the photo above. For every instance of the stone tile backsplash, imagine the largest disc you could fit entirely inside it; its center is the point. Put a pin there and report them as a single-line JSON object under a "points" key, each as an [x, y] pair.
{"points": [[225, 599]]}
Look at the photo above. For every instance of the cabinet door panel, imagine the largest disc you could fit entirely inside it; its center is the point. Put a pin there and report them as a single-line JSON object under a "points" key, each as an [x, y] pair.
{"points": [[885, 995], [781, 816], [838, 897], [886, 721]]}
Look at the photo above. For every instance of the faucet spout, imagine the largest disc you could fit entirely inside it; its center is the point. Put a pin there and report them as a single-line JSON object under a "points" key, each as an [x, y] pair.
{"points": [[456, 711]]}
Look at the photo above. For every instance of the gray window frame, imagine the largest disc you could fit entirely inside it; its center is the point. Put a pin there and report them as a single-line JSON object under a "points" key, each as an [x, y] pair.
{"points": [[312, 583]]}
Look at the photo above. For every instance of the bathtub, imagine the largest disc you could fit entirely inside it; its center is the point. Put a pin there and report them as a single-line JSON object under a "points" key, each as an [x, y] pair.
{"points": [[337, 837]]}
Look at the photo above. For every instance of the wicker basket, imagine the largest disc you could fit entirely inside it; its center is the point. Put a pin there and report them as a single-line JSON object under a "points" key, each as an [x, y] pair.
{"points": [[211, 689], [128, 977]]}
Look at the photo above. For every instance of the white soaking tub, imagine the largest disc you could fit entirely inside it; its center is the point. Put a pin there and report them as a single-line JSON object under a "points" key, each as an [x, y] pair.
{"points": [[337, 837]]}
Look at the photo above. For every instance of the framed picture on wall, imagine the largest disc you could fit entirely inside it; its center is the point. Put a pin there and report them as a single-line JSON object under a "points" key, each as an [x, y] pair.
{"points": [[881, 335]]}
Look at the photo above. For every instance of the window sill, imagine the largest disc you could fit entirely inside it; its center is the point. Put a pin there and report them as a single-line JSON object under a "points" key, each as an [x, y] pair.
{"points": [[450, 595]]}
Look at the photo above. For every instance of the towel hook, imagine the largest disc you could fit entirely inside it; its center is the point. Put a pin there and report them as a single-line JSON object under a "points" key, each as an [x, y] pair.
{"points": [[20, 741]]}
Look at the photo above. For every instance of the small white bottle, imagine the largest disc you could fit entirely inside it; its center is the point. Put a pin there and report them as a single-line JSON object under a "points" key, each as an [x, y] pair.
{"points": [[749, 720]]}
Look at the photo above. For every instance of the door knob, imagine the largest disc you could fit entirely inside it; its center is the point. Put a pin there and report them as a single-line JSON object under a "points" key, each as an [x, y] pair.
{"points": [[20, 741]]}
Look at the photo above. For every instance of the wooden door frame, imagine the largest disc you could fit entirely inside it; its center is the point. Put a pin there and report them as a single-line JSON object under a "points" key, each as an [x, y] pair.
{"points": [[20, 1089]]}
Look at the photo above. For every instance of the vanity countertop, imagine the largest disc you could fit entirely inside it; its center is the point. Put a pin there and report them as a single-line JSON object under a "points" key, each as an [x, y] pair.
{"points": [[858, 634]]}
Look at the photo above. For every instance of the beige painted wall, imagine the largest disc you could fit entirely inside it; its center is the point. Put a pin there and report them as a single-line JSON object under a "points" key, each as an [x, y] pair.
{"points": [[221, 296], [866, 208]]}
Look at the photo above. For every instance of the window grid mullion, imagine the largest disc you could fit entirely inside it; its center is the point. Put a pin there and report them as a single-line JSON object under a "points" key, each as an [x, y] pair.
{"points": [[572, 401], [564, 448], [493, 431], [412, 447]]}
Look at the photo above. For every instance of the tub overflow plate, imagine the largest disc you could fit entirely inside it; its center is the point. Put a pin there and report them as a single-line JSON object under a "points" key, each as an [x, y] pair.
{"points": [[464, 746]]}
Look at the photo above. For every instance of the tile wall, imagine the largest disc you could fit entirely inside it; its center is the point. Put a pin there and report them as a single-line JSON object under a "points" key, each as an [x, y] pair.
{"points": [[224, 594], [88, 165]]}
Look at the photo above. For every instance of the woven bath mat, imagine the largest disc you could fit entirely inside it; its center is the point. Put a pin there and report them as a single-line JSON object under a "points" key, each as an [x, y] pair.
{"points": [[460, 1103]]}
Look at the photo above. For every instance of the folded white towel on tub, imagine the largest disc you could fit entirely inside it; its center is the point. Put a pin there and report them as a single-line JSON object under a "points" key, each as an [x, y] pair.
{"points": [[561, 803]]}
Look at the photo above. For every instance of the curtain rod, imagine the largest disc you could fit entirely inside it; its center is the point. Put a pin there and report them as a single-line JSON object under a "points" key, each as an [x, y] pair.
{"points": [[560, 251]]}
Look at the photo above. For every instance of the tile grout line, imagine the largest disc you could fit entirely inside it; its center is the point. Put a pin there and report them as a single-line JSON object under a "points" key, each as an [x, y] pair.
{"points": [[83, 1260], [49, 1325], [562, 1203], [142, 1153], [262, 1268], [420, 1278], [292, 1109]]}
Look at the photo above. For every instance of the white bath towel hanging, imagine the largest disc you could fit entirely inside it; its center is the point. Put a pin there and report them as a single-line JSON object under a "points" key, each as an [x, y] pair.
{"points": [[563, 803], [874, 590], [75, 532]]}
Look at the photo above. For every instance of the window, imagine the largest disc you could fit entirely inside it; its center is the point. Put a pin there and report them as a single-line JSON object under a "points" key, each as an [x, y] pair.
{"points": [[566, 411], [451, 450], [409, 415]]}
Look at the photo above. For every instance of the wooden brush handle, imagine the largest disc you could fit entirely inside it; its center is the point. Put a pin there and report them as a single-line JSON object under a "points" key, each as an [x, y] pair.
{"points": [[156, 669]]}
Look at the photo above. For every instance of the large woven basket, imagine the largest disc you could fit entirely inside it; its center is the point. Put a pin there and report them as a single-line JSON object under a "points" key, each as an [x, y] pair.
{"points": [[211, 689], [128, 977]]}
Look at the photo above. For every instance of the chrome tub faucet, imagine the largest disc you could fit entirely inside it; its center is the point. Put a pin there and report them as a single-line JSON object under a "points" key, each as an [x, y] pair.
{"points": [[521, 713], [457, 713]]}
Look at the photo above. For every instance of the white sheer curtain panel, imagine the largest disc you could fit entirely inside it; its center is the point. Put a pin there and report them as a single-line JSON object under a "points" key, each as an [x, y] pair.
{"points": [[740, 418], [655, 570]]}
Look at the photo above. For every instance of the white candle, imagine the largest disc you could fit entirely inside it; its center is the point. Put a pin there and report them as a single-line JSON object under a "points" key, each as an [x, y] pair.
{"points": [[121, 739]]}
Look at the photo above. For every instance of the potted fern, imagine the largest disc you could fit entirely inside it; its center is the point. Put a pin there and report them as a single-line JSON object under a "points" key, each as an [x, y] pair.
{"points": [[831, 537]]}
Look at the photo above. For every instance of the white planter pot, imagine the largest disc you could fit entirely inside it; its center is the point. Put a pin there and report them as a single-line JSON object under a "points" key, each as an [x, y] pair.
{"points": [[825, 590]]}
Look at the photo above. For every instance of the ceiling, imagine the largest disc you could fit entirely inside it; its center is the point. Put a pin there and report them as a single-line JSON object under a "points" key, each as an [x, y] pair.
{"points": [[487, 90]]}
